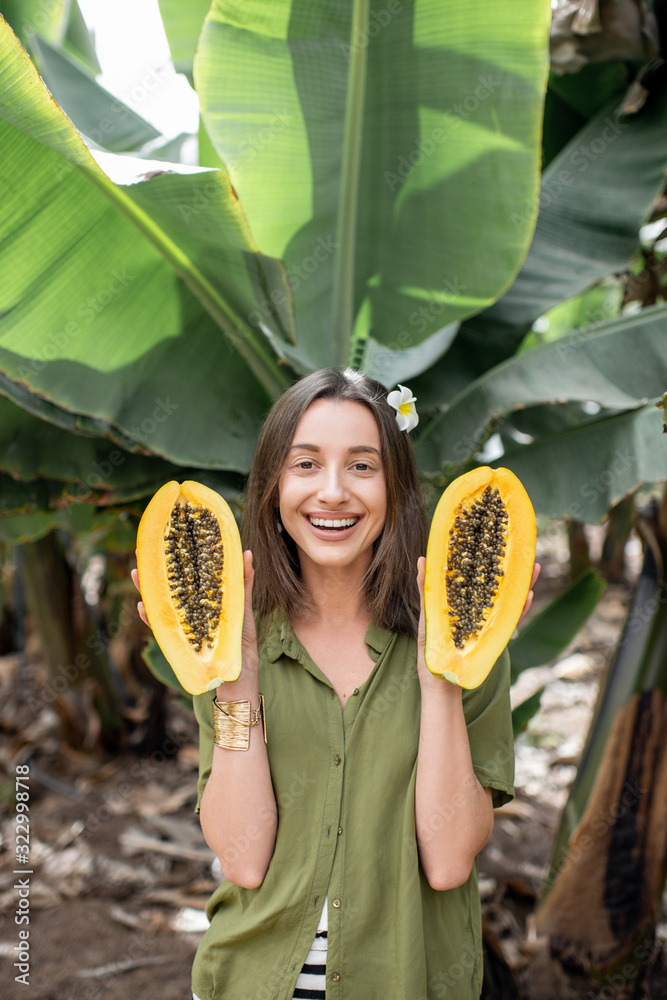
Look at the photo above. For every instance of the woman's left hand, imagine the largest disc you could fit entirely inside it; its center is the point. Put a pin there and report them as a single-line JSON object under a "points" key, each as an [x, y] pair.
{"points": [[533, 581], [424, 673]]}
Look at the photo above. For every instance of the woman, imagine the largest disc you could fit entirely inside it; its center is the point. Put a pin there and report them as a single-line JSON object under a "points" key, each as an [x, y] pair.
{"points": [[348, 829]]}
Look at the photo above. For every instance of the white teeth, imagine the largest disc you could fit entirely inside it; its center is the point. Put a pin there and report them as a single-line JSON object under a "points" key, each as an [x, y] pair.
{"points": [[320, 522]]}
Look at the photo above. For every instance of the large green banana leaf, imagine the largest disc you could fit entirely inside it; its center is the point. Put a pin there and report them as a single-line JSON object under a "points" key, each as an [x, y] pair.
{"points": [[573, 98], [131, 305], [80, 467], [31, 448], [595, 196], [31, 17], [183, 24], [621, 364], [101, 117], [75, 519], [59, 22], [382, 155], [547, 634], [581, 470]]}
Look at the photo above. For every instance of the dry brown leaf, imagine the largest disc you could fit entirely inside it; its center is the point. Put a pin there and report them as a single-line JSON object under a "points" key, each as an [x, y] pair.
{"points": [[134, 841]]}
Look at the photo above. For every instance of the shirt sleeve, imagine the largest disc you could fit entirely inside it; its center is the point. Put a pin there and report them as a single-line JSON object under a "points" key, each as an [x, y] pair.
{"points": [[488, 715], [204, 714]]}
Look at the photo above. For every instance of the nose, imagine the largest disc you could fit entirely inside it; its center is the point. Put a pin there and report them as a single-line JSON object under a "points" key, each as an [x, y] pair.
{"points": [[332, 490]]}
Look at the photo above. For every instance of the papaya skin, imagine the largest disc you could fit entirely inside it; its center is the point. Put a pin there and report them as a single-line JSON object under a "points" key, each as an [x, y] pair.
{"points": [[207, 669], [469, 666]]}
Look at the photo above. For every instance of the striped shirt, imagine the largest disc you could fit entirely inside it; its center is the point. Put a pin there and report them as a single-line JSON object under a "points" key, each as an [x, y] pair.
{"points": [[311, 983]]}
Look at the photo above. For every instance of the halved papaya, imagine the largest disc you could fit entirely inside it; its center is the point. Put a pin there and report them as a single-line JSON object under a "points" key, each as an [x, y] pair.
{"points": [[479, 563], [190, 566]]}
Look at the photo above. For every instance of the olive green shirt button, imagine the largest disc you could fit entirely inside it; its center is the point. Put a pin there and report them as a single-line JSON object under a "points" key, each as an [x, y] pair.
{"points": [[356, 691], [336, 903], [337, 759], [340, 830], [335, 977]]}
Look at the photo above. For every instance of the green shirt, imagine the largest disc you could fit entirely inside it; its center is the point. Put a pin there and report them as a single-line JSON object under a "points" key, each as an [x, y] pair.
{"points": [[344, 781]]}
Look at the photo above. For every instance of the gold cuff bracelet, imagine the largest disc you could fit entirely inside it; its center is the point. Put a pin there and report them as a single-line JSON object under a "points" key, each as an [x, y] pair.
{"points": [[232, 721]]}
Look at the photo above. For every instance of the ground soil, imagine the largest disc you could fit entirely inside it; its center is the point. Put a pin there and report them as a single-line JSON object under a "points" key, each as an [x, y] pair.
{"points": [[121, 870]]}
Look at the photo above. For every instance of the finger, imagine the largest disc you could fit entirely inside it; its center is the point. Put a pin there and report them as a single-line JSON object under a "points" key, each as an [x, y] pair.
{"points": [[142, 613], [421, 574], [536, 573], [249, 637], [135, 578], [248, 577], [526, 607]]}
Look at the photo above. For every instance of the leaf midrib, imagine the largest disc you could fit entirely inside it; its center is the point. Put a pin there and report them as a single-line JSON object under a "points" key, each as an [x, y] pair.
{"points": [[346, 224]]}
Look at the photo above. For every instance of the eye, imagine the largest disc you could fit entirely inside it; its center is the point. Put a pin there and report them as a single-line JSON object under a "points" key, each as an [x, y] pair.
{"points": [[361, 466], [305, 463]]}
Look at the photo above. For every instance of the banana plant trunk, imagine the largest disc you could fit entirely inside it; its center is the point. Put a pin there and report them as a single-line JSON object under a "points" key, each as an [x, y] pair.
{"points": [[78, 677], [603, 892], [619, 526]]}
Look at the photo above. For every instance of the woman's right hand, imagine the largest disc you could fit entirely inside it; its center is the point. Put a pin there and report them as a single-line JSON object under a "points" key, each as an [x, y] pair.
{"points": [[250, 657], [249, 634]]}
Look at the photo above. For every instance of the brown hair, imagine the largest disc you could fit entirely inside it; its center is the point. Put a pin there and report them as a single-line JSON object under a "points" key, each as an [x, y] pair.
{"points": [[389, 586]]}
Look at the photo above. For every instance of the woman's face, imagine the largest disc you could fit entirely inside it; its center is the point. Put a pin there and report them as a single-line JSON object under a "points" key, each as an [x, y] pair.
{"points": [[333, 497]]}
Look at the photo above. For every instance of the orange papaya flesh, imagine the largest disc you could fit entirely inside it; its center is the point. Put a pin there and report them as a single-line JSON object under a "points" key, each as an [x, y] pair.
{"points": [[190, 566], [479, 564]]}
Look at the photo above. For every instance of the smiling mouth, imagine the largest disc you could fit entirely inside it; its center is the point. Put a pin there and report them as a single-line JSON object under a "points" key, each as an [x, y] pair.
{"points": [[333, 524]]}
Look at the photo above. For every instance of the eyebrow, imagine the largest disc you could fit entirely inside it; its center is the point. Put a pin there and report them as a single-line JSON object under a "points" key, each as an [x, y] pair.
{"points": [[357, 449]]}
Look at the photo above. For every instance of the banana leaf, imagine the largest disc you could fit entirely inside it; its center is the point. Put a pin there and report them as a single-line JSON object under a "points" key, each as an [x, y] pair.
{"points": [[160, 667], [31, 448], [574, 98], [31, 17], [620, 364], [93, 323], [74, 519], [580, 473], [23, 498], [548, 634], [594, 198], [523, 713], [612, 170], [183, 24], [537, 422], [58, 467], [103, 118], [58, 22], [598, 303], [78, 41], [399, 143]]}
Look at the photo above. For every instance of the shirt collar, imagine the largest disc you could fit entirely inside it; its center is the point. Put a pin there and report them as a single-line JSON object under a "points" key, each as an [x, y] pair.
{"points": [[377, 639], [281, 639]]}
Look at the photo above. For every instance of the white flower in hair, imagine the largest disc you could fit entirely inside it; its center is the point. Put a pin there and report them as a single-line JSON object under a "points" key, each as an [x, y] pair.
{"points": [[404, 403]]}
